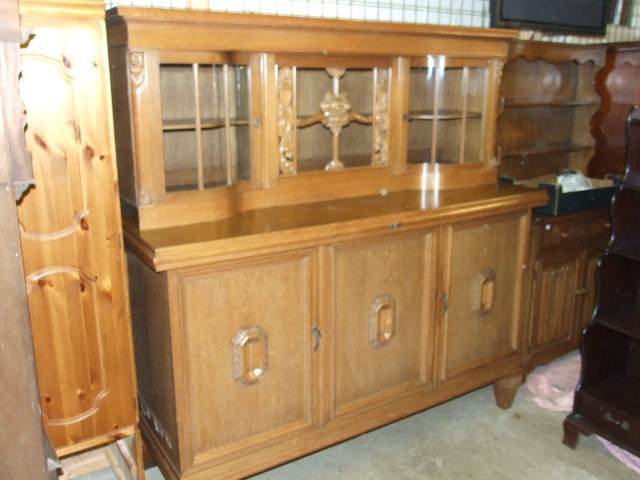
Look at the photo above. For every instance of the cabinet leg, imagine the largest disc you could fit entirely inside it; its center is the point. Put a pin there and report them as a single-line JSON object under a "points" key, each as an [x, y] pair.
{"points": [[571, 436], [505, 390], [573, 428]]}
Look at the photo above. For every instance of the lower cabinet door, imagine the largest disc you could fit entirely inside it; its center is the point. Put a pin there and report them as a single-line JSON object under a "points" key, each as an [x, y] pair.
{"points": [[553, 320], [379, 324], [244, 371], [480, 291]]}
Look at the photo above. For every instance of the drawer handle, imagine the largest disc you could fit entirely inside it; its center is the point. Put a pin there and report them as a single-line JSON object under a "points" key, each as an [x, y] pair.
{"points": [[250, 355], [382, 321], [621, 423], [485, 292], [563, 233]]}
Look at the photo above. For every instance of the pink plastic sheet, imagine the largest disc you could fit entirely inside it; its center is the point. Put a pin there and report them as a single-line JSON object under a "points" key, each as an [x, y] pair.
{"points": [[552, 387]]}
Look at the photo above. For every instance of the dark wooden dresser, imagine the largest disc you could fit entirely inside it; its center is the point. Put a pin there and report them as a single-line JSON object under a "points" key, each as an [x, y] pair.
{"points": [[607, 399]]}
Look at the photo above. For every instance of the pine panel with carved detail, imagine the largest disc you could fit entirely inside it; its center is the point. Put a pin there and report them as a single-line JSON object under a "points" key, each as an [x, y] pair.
{"points": [[71, 235]]}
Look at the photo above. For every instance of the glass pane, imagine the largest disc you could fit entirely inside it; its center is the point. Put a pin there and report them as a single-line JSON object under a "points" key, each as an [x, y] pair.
{"points": [[178, 114], [422, 96], [314, 148], [206, 136], [338, 114], [446, 114], [355, 138], [461, 117], [313, 141]]}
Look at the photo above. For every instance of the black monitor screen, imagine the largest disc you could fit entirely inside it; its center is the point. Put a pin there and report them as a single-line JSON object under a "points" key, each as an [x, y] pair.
{"points": [[562, 16]]}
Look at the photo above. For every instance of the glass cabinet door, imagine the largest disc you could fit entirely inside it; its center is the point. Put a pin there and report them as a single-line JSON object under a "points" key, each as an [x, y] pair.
{"points": [[447, 111], [205, 125], [331, 118]]}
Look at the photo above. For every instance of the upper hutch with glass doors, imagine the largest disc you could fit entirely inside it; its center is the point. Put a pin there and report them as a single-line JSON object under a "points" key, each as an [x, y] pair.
{"points": [[218, 114]]}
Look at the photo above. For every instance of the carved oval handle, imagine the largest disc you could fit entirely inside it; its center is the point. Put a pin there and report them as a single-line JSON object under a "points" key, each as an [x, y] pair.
{"points": [[485, 292], [382, 320], [250, 355]]}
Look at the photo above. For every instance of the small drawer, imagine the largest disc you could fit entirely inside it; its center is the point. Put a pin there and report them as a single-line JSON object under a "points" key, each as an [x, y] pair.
{"points": [[558, 233], [609, 418], [599, 227]]}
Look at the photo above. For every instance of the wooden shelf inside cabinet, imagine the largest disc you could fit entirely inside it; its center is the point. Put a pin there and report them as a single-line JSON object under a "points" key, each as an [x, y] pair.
{"points": [[547, 102], [619, 250], [543, 103], [205, 124], [540, 150], [619, 392], [181, 180], [317, 164], [443, 115], [623, 320], [617, 306]]}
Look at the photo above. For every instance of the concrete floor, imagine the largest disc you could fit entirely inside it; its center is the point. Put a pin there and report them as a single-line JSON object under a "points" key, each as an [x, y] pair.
{"points": [[466, 438]]}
